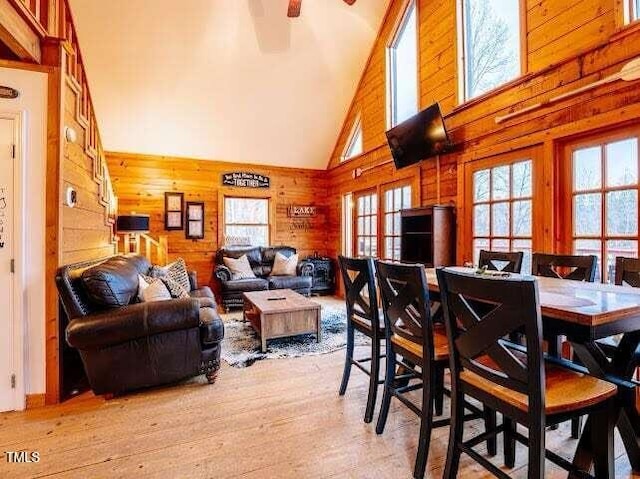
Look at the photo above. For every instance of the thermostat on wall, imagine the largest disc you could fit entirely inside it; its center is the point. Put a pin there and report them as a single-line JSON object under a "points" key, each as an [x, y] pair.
{"points": [[71, 198]]}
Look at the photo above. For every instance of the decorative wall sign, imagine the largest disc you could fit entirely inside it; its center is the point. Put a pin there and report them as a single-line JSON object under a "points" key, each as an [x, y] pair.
{"points": [[302, 211], [173, 211], [8, 92], [195, 220], [241, 179]]}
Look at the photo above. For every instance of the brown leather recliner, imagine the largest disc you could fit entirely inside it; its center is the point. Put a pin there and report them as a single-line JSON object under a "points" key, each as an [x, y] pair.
{"points": [[125, 344]]}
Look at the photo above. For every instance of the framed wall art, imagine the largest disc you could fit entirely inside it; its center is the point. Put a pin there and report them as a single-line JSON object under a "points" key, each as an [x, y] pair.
{"points": [[173, 211], [195, 220]]}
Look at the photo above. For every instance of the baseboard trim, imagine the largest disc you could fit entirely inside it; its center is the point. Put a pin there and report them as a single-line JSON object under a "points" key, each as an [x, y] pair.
{"points": [[35, 401]]}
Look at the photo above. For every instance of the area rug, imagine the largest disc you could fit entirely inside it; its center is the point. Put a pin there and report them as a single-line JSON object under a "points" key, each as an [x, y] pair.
{"points": [[241, 345]]}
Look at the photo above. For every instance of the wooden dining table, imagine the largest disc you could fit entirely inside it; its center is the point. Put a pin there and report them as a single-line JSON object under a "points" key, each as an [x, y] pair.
{"points": [[585, 313]]}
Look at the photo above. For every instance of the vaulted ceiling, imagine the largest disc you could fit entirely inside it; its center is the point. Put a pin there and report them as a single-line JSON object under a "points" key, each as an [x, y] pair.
{"points": [[232, 80]]}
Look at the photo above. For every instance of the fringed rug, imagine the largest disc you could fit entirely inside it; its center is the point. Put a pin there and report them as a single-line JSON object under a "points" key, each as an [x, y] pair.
{"points": [[241, 344]]}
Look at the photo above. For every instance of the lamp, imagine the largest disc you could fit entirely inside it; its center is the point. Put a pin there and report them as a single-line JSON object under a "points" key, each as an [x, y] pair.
{"points": [[131, 227]]}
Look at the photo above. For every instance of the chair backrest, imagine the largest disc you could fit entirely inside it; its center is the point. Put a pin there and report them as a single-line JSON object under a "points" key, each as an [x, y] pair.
{"points": [[580, 268], [405, 303], [628, 271], [360, 290], [511, 262], [479, 313]]}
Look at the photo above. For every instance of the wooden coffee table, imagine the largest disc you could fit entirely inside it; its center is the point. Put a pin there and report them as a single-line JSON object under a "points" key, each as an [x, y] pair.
{"points": [[281, 313]]}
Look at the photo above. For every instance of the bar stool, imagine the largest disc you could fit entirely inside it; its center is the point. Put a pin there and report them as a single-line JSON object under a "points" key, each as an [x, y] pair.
{"points": [[514, 380], [362, 315]]}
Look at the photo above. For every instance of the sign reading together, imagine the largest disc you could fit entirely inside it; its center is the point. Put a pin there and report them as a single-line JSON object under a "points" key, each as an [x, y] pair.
{"points": [[242, 179]]}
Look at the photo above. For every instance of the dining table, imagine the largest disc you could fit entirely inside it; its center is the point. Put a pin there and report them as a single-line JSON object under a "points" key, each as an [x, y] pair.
{"points": [[586, 314]]}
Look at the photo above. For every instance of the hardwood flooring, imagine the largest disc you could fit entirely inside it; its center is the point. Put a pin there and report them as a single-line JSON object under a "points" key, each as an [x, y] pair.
{"points": [[275, 419]]}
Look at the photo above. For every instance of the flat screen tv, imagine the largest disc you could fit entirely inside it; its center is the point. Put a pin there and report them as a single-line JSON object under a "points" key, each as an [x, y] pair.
{"points": [[421, 136]]}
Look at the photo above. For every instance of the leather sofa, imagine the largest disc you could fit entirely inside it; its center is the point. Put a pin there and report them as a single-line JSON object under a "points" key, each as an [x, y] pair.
{"points": [[261, 260], [138, 344]]}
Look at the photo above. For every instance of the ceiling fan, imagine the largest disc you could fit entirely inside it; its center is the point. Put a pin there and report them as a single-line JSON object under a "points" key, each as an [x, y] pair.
{"points": [[294, 7]]}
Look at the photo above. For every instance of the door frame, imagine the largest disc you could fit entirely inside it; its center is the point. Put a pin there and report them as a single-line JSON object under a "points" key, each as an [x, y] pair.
{"points": [[19, 218]]}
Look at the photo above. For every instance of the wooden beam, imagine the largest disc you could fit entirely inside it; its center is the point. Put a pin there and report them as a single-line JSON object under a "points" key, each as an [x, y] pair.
{"points": [[16, 33]]}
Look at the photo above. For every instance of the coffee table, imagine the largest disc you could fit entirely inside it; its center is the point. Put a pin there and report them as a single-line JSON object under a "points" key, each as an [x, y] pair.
{"points": [[281, 313]]}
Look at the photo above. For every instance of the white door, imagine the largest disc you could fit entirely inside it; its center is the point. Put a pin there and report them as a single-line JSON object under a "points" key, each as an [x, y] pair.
{"points": [[7, 388]]}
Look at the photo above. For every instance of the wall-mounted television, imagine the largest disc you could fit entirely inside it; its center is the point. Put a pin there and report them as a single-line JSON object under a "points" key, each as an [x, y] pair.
{"points": [[421, 136]]}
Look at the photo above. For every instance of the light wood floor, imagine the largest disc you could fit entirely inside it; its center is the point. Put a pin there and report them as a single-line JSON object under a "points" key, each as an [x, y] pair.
{"points": [[275, 419]]}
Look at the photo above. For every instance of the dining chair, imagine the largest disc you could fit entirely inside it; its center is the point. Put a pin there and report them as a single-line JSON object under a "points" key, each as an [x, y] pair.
{"points": [[627, 271], [517, 381], [362, 315], [511, 262], [412, 340]]}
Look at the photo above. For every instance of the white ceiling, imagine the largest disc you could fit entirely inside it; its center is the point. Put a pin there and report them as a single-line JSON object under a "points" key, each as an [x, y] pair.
{"points": [[232, 80]]}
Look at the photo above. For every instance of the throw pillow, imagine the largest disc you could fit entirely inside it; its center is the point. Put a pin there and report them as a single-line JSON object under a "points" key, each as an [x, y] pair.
{"points": [[177, 271], [175, 289], [156, 291], [143, 283], [240, 268], [283, 266]]}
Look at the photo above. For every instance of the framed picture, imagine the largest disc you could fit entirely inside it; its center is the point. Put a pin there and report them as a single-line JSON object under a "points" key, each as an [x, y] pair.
{"points": [[173, 211], [195, 220]]}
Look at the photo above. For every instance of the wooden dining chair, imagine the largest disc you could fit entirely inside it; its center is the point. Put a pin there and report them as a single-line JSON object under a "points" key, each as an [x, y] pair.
{"points": [[412, 340], [362, 315], [575, 267], [627, 271], [511, 262], [517, 381]]}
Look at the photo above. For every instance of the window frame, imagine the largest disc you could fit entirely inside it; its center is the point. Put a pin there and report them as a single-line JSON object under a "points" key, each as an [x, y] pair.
{"points": [[461, 55], [537, 197], [371, 192], [401, 22], [630, 12], [398, 185], [223, 217], [565, 210], [355, 127]]}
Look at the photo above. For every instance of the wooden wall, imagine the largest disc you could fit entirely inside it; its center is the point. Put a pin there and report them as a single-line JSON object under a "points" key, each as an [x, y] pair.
{"points": [[140, 182], [568, 44]]}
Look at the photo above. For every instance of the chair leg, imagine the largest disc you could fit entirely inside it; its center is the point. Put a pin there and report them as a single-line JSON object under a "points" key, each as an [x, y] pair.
{"points": [[509, 442], [490, 423], [373, 381], [438, 394], [389, 382], [426, 421], [576, 427], [536, 447], [348, 360], [455, 436], [602, 444]]}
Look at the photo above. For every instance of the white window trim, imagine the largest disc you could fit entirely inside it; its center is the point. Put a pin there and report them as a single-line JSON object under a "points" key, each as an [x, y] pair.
{"points": [[462, 71], [357, 125], [400, 22]]}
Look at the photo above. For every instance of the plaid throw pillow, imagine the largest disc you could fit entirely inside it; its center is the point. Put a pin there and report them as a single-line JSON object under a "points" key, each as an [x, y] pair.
{"points": [[175, 289], [176, 271]]}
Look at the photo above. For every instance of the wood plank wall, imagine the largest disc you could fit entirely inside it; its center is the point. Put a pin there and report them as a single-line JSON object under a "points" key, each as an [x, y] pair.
{"points": [[140, 182], [569, 44]]}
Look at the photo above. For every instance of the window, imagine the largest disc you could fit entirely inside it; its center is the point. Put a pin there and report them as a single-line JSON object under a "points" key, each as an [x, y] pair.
{"points": [[354, 145], [502, 209], [347, 224], [402, 69], [366, 220], [395, 200], [246, 221], [631, 10], [604, 201], [489, 45]]}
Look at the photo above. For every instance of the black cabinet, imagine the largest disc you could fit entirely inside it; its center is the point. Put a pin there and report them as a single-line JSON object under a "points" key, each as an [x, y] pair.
{"points": [[324, 279], [428, 235]]}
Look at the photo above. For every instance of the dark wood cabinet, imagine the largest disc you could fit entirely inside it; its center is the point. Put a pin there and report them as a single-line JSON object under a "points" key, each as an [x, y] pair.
{"points": [[429, 235]]}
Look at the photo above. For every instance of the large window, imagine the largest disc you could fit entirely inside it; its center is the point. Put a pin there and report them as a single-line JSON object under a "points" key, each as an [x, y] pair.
{"points": [[490, 45], [631, 10], [366, 224], [604, 200], [246, 221], [402, 68], [395, 200], [354, 145], [502, 209]]}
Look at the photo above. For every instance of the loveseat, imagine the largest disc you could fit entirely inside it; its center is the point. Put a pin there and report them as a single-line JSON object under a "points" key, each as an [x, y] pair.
{"points": [[136, 344], [261, 260]]}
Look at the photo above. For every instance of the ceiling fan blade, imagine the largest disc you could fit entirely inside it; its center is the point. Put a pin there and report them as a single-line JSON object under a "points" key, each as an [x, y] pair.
{"points": [[350, 2], [294, 8]]}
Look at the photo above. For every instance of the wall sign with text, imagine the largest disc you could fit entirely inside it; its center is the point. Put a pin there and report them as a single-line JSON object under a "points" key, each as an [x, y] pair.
{"points": [[8, 93], [241, 179], [295, 211]]}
